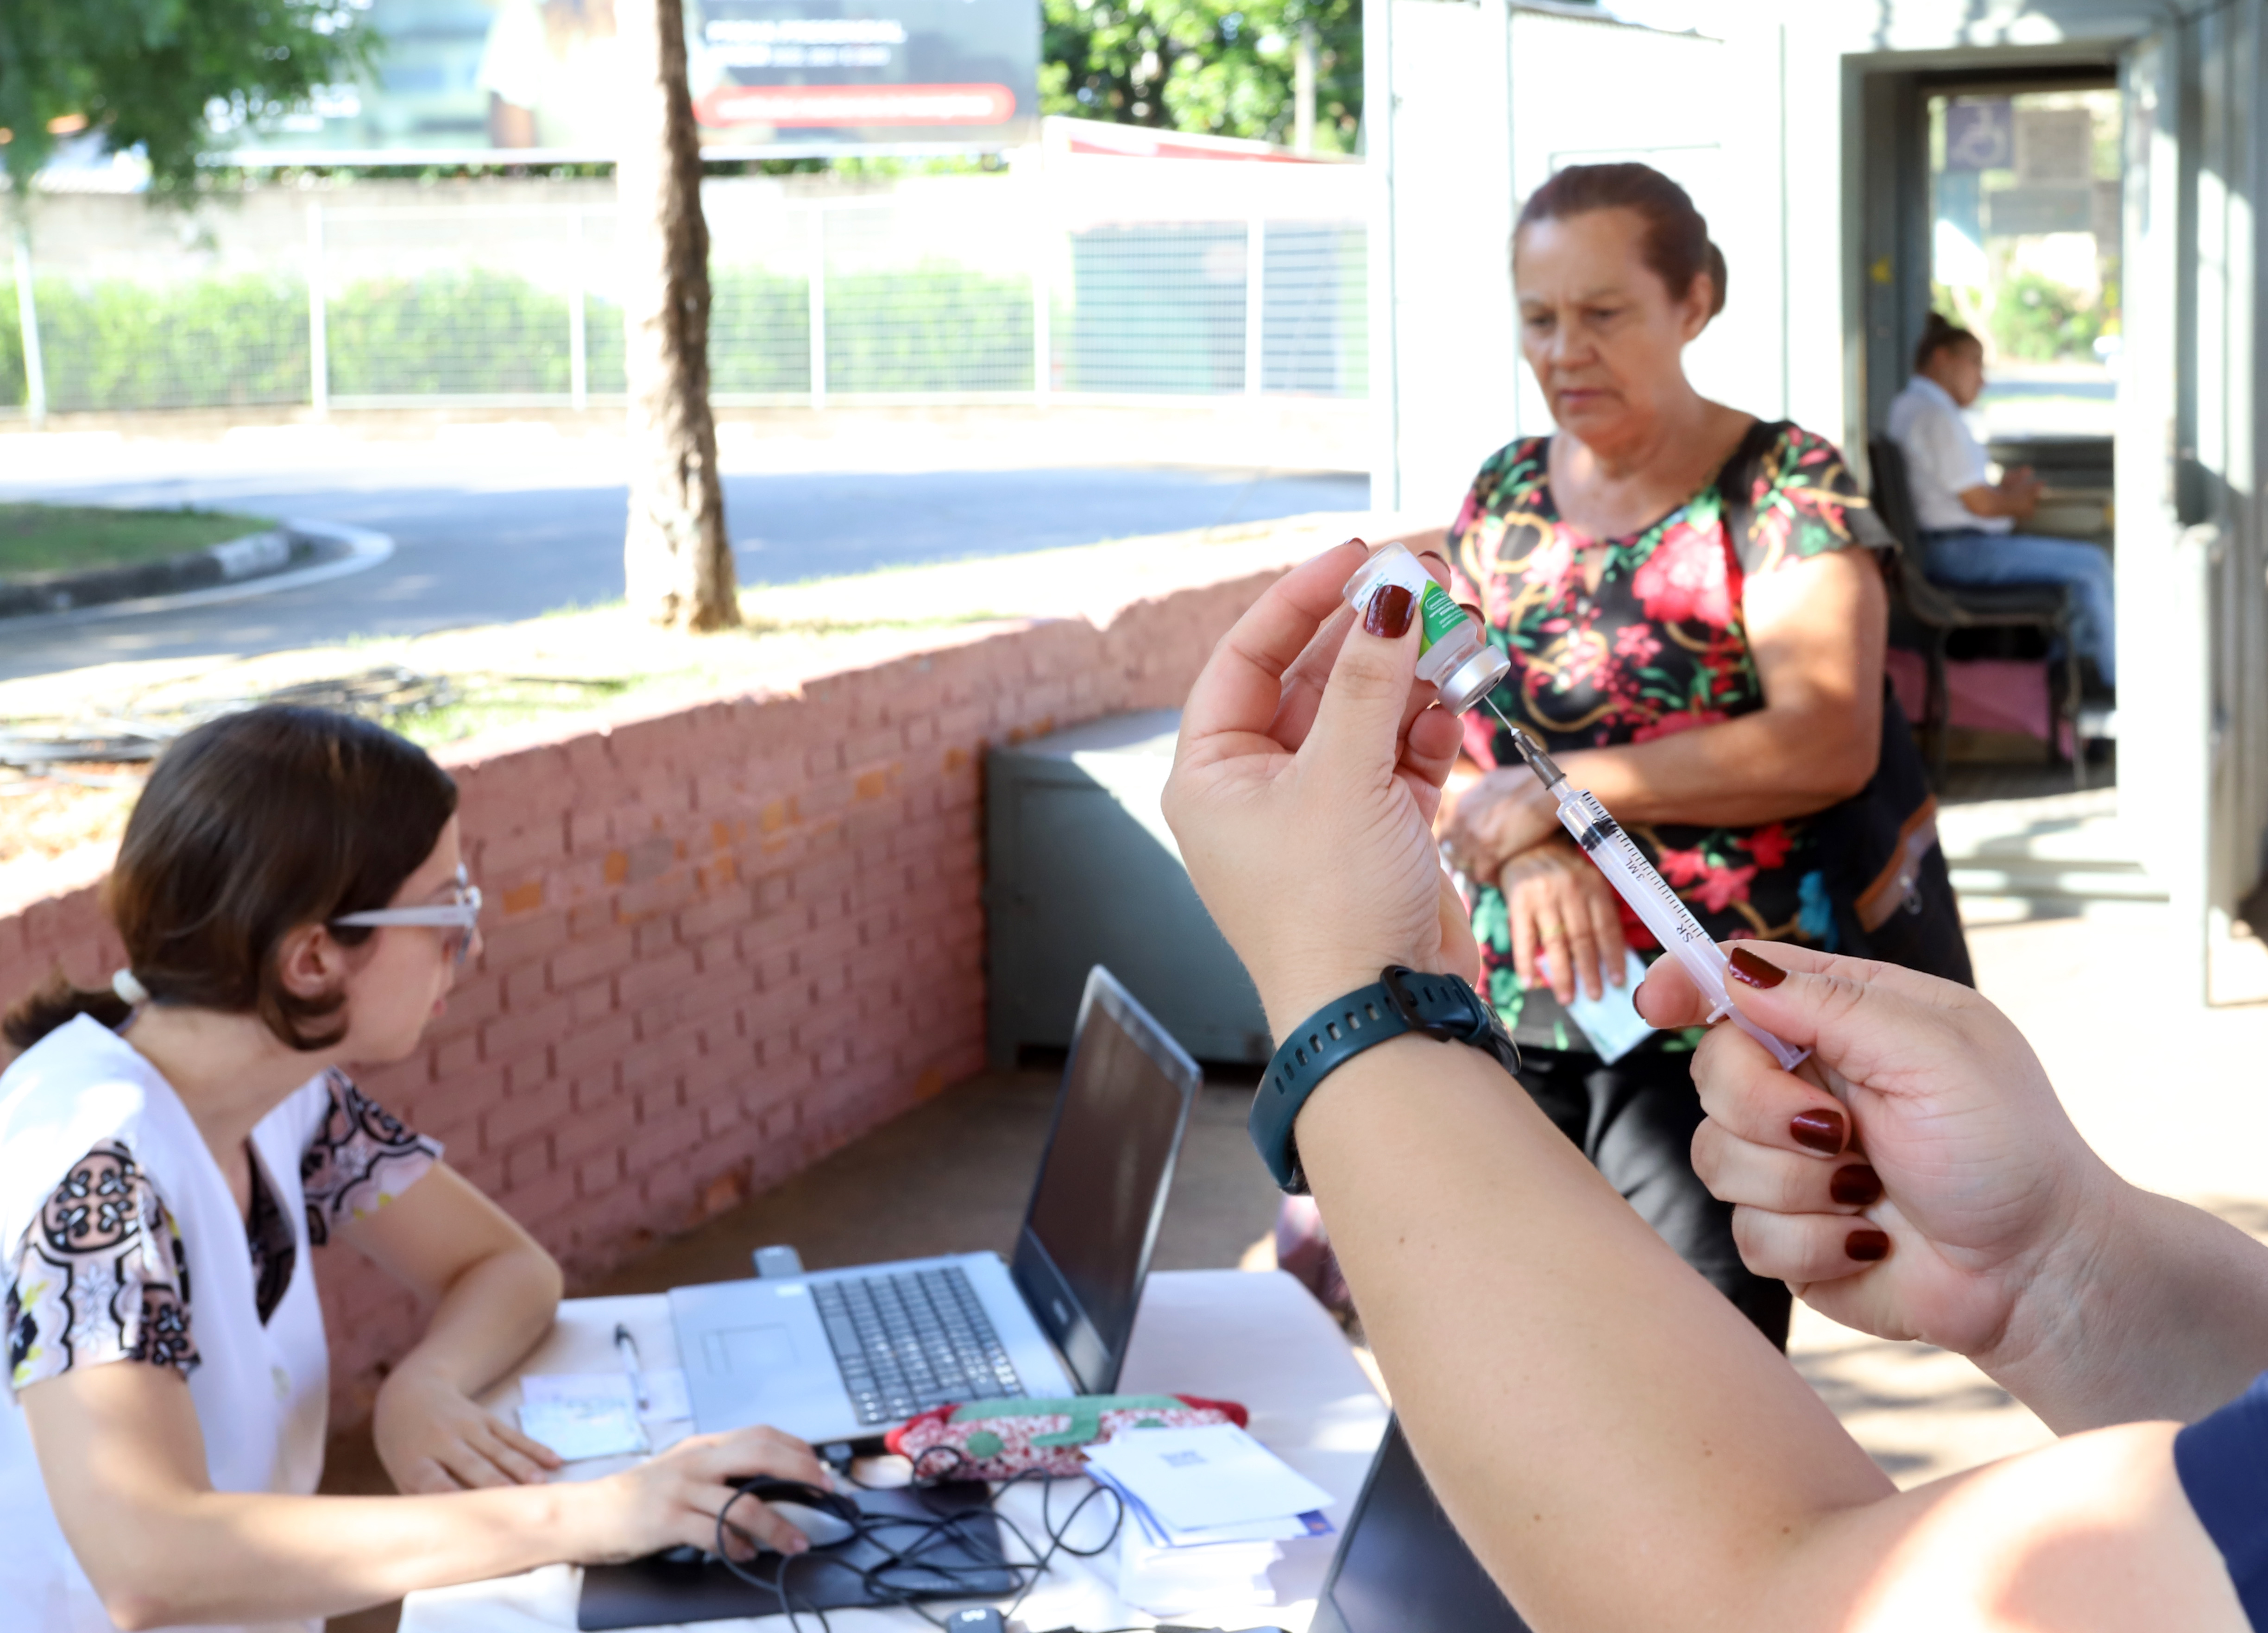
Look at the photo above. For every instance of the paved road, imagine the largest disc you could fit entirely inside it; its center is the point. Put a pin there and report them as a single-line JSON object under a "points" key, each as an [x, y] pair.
{"points": [[474, 545]]}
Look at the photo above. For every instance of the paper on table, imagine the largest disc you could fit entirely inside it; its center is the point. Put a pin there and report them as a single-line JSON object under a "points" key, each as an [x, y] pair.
{"points": [[1168, 1581], [1275, 1528], [1217, 1474], [577, 1429], [665, 1391]]}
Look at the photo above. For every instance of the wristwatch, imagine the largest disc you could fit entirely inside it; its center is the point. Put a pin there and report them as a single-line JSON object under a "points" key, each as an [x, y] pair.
{"points": [[1443, 1007]]}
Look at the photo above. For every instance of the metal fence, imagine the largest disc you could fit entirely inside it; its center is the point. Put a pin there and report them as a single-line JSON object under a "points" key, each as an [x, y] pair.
{"points": [[955, 289]]}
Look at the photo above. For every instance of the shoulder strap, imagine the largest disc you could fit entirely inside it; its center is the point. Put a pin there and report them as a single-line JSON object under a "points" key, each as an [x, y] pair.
{"points": [[1736, 478]]}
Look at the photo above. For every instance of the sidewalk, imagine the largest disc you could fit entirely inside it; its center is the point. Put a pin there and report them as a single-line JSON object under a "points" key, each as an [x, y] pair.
{"points": [[2074, 942]]}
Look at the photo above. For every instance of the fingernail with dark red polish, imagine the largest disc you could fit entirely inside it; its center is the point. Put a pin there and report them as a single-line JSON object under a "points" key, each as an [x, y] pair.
{"points": [[1432, 555], [1817, 1130], [1389, 613], [1857, 1186], [1749, 968], [1868, 1246]]}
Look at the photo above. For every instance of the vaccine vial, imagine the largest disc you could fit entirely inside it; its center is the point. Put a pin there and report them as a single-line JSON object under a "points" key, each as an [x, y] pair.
{"points": [[1452, 652]]}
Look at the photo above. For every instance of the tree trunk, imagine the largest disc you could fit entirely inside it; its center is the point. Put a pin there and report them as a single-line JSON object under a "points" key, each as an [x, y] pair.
{"points": [[677, 564]]}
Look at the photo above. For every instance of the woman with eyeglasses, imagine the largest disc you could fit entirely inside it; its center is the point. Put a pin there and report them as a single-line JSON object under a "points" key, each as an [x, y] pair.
{"points": [[294, 904]]}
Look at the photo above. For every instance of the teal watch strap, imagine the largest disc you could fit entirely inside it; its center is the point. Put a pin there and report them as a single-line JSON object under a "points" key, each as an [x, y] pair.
{"points": [[1442, 1007]]}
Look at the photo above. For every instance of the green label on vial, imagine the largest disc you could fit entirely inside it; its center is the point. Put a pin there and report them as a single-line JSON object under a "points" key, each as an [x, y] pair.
{"points": [[1439, 615]]}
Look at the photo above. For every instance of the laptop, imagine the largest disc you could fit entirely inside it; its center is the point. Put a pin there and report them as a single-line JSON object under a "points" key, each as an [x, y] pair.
{"points": [[848, 1355], [1400, 1566]]}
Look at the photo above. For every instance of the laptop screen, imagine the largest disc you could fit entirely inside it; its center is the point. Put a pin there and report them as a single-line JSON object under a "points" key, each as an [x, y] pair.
{"points": [[1102, 1184], [1401, 1567]]}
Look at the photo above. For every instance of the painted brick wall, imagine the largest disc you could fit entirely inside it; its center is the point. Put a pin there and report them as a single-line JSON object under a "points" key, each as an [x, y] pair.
{"points": [[722, 942]]}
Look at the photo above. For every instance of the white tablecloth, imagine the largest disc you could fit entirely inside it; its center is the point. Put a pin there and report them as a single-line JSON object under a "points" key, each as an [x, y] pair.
{"points": [[1225, 1335]]}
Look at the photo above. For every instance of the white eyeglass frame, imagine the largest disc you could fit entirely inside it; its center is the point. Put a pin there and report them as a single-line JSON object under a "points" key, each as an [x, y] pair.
{"points": [[463, 915]]}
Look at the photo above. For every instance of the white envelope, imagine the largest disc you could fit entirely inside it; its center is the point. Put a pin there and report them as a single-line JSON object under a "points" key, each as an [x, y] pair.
{"points": [[1214, 1475]]}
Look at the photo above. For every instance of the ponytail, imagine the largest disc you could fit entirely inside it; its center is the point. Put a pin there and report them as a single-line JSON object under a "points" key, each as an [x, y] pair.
{"points": [[58, 1004], [1938, 334]]}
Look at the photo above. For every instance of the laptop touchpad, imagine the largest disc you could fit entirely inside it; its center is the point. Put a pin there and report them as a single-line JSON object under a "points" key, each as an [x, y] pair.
{"points": [[748, 1349]]}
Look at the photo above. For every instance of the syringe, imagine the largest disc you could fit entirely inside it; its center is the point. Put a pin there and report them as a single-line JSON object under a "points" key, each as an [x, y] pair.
{"points": [[1649, 894]]}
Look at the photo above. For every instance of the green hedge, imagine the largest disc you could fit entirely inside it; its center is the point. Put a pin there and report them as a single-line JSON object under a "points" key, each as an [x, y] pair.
{"points": [[114, 344], [11, 349]]}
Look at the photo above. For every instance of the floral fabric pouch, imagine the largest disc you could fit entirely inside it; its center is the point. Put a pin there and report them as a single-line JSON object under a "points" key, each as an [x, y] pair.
{"points": [[1001, 1439]]}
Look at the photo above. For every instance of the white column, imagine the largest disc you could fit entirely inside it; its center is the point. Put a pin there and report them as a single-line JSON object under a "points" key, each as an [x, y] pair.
{"points": [[1042, 333], [319, 345], [817, 281], [579, 353], [1256, 255], [27, 314]]}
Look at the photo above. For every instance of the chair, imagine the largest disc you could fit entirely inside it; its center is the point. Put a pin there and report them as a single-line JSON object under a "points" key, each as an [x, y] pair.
{"points": [[1935, 611]]}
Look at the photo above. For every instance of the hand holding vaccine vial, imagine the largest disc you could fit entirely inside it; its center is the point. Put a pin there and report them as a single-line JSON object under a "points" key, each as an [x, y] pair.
{"points": [[1451, 652], [1649, 894]]}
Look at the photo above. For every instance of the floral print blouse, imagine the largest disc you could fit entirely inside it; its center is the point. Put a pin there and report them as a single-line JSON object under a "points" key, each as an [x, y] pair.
{"points": [[102, 1274], [1658, 648]]}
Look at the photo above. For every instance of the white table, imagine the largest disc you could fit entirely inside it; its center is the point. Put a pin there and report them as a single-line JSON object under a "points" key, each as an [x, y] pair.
{"points": [[1227, 1334]]}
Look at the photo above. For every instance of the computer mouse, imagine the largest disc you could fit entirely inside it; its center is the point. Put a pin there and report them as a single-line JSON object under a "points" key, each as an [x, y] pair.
{"points": [[824, 1529]]}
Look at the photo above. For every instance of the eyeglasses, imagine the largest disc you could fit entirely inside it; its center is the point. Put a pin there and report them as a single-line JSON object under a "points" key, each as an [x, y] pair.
{"points": [[461, 915]]}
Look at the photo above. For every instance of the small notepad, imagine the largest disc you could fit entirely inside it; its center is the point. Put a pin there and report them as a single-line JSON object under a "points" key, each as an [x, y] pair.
{"points": [[579, 1428], [1611, 1021]]}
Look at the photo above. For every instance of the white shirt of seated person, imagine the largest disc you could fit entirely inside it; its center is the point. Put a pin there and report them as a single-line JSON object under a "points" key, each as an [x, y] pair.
{"points": [[1944, 460], [262, 1391]]}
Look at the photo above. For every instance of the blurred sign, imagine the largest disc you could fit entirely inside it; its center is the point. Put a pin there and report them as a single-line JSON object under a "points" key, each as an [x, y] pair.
{"points": [[1980, 133], [2013, 212], [2055, 147], [462, 80]]}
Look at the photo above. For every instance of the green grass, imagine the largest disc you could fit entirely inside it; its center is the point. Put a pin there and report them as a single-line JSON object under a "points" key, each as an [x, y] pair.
{"points": [[68, 538]]}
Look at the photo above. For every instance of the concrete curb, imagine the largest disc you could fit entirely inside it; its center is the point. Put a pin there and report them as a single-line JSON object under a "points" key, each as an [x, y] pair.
{"points": [[346, 550]]}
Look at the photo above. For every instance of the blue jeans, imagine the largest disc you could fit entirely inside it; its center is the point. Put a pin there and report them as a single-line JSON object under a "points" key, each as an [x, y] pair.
{"points": [[1981, 559]]}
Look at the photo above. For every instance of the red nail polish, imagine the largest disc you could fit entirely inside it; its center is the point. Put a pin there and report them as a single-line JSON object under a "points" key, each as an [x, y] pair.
{"points": [[1389, 613], [1857, 1186], [1868, 1246], [1820, 1131], [1749, 968]]}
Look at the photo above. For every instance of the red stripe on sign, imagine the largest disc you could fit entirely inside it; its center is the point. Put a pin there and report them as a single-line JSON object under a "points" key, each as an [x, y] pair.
{"points": [[856, 105]]}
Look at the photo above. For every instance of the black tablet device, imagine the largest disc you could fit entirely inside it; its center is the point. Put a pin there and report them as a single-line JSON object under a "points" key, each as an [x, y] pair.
{"points": [[1401, 1567]]}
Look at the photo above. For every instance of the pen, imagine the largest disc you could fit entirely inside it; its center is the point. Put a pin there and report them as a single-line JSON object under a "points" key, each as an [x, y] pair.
{"points": [[627, 1346]]}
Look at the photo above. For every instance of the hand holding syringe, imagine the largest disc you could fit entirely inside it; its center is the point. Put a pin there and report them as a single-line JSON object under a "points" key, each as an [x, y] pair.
{"points": [[1648, 894]]}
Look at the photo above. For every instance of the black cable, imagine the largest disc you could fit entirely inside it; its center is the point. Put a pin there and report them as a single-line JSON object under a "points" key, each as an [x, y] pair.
{"points": [[929, 1536]]}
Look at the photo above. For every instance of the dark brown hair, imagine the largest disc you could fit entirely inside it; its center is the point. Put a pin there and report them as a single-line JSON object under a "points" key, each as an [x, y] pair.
{"points": [[252, 825], [1677, 247], [1938, 333]]}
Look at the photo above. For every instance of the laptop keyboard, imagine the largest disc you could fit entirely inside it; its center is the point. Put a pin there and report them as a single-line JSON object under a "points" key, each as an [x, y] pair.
{"points": [[913, 1340]]}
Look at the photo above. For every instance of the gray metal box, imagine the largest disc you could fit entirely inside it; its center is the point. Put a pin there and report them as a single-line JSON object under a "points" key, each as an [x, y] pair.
{"points": [[1080, 870]]}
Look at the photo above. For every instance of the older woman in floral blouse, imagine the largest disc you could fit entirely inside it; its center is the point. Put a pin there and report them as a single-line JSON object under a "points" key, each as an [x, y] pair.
{"points": [[1697, 637]]}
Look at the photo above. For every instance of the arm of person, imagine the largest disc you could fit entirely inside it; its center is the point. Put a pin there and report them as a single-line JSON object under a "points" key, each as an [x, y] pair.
{"points": [[494, 1292], [1616, 1444], [2016, 497], [123, 1459], [1571, 1388], [2011, 1241], [510, 125], [1817, 630]]}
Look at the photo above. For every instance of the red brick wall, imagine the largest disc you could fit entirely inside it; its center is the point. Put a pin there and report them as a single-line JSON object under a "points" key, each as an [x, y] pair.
{"points": [[722, 942]]}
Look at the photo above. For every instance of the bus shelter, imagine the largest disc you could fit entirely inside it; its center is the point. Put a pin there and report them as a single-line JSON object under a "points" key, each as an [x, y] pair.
{"points": [[2075, 178]]}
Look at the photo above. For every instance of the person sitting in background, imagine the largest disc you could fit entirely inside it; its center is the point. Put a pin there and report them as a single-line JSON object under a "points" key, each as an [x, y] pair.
{"points": [[1618, 1447], [1967, 519], [172, 1148]]}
